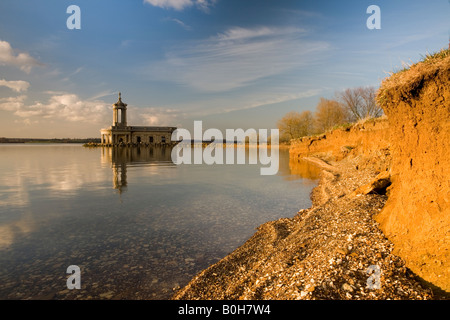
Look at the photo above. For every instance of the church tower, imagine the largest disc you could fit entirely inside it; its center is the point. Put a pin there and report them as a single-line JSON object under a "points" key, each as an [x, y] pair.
{"points": [[119, 105], [120, 134]]}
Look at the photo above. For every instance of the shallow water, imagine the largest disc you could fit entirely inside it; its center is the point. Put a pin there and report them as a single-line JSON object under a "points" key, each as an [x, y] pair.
{"points": [[136, 224]]}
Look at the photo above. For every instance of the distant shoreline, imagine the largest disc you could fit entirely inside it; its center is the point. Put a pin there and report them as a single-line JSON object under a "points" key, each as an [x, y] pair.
{"points": [[53, 140]]}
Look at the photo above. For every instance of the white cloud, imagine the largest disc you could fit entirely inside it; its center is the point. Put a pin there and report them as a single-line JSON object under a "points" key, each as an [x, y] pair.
{"points": [[66, 107], [154, 116], [179, 5], [69, 107], [17, 86], [22, 60], [205, 5], [54, 93], [12, 103], [238, 57], [174, 4]]}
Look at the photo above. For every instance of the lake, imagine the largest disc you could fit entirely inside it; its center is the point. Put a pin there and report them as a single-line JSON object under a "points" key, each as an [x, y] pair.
{"points": [[137, 225]]}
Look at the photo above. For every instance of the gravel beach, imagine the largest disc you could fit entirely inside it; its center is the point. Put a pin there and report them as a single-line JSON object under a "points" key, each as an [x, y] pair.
{"points": [[333, 250]]}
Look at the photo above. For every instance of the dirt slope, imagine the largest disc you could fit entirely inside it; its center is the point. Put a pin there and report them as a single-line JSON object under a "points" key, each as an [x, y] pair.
{"points": [[417, 214]]}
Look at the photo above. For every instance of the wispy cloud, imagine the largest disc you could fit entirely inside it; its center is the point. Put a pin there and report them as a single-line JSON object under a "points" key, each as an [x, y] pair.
{"points": [[22, 60], [103, 94], [180, 23], [17, 86], [411, 38], [205, 5], [237, 58], [273, 98], [252, 99], [239, 33], [77, 71], [125, 43], [179, 5]]}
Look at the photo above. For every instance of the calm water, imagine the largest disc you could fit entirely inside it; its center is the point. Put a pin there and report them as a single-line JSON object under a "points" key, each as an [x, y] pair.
{"points": [[136, 224]]}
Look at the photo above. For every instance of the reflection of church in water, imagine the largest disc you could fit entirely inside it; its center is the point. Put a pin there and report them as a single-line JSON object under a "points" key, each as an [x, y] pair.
{"points": [[121, 158], [133, 145], [120, 134]]}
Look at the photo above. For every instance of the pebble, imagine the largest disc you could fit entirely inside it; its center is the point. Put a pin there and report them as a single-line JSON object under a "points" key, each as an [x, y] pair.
{"points": [[347, 287], [107, 295]]}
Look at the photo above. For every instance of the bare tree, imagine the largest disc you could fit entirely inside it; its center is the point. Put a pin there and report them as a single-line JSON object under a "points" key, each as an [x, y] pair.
{"points": [[328, 114], [372, 109], [351, 100], [360, 102], [295, 125]]}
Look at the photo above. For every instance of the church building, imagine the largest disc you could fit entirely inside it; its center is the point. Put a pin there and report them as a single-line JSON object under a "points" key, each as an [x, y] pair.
{"points": [[122, 134]]}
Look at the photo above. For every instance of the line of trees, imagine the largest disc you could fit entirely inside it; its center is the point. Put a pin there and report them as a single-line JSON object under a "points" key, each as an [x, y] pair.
{"points": [[350, 105]]}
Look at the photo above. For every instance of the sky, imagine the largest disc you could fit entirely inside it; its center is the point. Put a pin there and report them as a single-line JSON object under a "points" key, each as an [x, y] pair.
{"points": [[230, 63]]}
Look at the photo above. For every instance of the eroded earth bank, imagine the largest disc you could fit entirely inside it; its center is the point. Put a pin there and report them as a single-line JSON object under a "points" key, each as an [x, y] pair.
{"points": [[378, 227]]}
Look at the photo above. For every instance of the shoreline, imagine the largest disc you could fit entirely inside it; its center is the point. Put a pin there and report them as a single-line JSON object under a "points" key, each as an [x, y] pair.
{"points": [[324, 252]]}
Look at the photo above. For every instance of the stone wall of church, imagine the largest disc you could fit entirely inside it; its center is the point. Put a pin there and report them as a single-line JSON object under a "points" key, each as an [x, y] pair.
{"points": [[136, 138]]}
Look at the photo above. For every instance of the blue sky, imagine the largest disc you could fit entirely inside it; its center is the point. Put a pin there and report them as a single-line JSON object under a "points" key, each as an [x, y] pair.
{"points": [[230, 63]]}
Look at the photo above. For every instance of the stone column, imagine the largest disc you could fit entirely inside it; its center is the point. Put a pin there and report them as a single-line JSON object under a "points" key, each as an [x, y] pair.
{"points": [[124, 117], [115, 116]]}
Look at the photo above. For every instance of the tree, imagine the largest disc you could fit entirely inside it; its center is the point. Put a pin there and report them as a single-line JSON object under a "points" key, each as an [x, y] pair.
{"points": [[372, 109], [360, 103], [328, 114], [295, 125]]}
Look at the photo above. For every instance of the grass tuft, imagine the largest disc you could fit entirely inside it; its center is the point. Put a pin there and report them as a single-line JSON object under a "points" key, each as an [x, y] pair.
{"points": [[432, 57]]}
